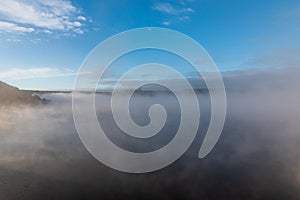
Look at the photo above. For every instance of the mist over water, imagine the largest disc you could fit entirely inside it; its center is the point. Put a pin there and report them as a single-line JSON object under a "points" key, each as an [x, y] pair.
{"points": [[256, 157]]}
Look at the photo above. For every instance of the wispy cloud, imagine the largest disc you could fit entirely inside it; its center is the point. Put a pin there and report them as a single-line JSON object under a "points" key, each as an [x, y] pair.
{"points": [[43, 72], [40, 15], [174, 12], [170, 9], [10, 27]]}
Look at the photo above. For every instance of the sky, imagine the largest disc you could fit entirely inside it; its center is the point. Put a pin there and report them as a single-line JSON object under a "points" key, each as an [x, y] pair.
{"points": [[44, 42]]}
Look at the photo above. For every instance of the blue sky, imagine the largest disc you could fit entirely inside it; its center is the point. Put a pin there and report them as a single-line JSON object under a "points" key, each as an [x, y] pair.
{"points": [[44, 42]]}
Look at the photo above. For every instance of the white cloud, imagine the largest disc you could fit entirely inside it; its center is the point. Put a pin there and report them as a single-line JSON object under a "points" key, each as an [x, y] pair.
{"points": [[10, 27], [78, 31], [182, 18], [82, 18], [189, 10], [77, 24], [44, 72], [47, 31], [166, 8], [166, 23], [60, 15], [15, 40], [177, 12], [170, 9]]}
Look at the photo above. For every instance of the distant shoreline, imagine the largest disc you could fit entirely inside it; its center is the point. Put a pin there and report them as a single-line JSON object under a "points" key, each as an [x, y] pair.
{"points": [[202, 90]]}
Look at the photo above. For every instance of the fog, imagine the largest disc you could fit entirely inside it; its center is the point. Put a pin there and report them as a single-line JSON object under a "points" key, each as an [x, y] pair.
{"points": [[256, 157]]}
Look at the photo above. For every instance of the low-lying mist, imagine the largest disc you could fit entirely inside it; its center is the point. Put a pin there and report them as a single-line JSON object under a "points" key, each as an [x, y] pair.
{"points": [[256, 157]]}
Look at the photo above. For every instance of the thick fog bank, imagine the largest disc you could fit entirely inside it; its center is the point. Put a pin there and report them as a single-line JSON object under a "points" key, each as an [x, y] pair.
{"points": [[256, 157]]}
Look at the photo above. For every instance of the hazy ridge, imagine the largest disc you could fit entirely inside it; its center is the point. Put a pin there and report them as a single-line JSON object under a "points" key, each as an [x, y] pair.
{"points": [[10, 95]]}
